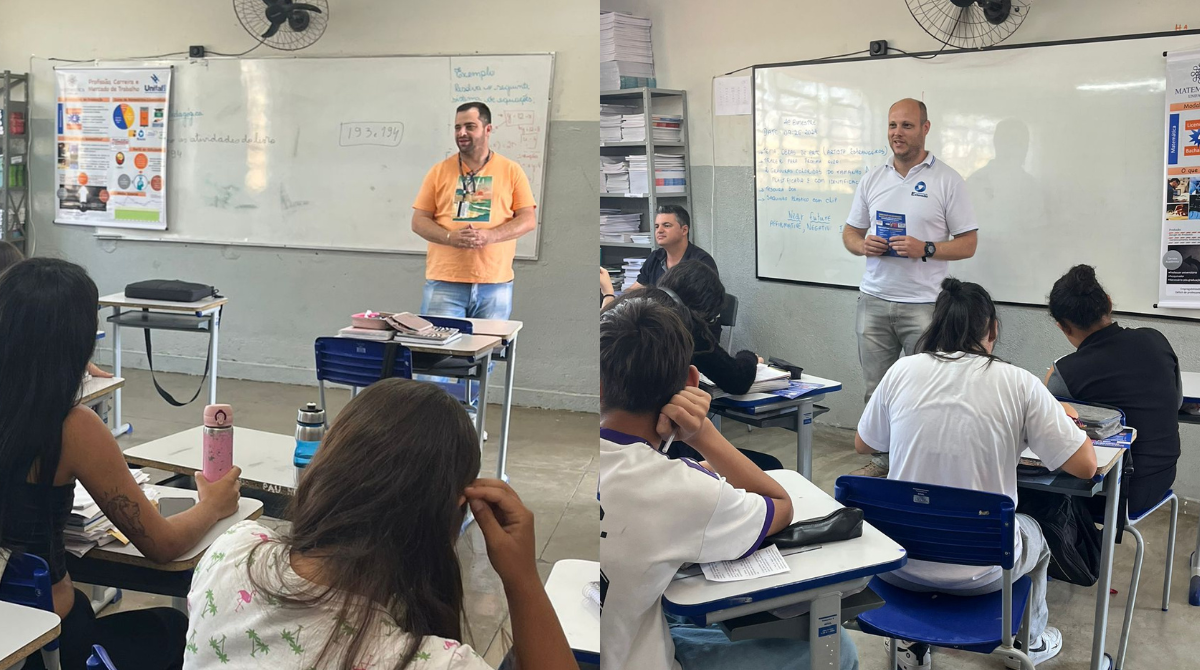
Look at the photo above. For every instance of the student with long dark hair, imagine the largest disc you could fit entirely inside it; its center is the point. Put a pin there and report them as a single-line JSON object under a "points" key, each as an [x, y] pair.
{"points": [[48, 442], [10, 255], [953, 414], [367, 576], [1132, 369]]}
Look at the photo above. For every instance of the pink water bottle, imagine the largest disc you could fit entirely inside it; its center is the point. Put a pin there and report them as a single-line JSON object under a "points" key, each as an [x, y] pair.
{"points": [[218, 441]]}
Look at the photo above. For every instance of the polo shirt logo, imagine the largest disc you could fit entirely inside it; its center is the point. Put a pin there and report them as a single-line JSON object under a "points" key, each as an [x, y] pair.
{"points": [[919, 190]]}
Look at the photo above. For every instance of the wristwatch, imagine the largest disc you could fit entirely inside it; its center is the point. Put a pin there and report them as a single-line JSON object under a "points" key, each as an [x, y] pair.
{"points": [[930, 249]]}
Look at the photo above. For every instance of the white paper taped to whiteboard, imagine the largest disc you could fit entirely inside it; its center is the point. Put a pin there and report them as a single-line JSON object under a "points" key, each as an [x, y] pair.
{"points": [[323, 153]]}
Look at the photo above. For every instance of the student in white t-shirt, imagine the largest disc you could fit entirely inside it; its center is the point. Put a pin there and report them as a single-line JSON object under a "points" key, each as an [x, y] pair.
{"points": [[657, 513], [953, 414], [367, 577]]}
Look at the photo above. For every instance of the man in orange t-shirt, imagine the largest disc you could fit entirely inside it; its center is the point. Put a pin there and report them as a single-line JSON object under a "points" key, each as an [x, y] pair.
{"points": [[471, 209]]}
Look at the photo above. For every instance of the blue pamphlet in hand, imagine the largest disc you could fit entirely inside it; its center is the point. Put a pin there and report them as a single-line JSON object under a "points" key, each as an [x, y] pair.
{"points": [[887, 226]]}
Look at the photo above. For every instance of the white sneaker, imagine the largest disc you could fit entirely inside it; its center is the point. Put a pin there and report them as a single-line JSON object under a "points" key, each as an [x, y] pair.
{"points": [[1046, 648], [906, 655]]}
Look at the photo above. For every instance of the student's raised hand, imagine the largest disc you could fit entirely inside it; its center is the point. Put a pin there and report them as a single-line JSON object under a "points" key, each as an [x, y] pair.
{"points": [[907, 246], [685, 415], [874, 245], [223, 494], [507, 527]]}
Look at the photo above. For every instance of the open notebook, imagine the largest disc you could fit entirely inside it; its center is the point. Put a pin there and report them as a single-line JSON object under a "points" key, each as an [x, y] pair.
{"points": [[1106, 449]]}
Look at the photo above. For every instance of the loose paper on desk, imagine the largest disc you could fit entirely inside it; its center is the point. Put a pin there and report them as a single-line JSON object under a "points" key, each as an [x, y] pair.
{"points": [[762, 563], [732, 96]]}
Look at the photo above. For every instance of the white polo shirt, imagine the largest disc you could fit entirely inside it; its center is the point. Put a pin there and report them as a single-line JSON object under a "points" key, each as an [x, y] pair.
{"points": [[930, 204], [964, 423], [655, 515]]}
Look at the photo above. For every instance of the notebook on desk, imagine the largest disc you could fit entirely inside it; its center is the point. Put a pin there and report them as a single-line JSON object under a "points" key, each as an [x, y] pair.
{"points": [[1106, 450], [796, 388]]}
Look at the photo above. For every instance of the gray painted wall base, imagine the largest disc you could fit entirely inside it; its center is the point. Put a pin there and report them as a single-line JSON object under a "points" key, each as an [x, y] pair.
{"points": [[281, 299]]}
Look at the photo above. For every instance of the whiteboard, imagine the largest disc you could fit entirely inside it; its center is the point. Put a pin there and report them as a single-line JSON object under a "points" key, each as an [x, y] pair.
{"points": [[1061, 147], [323, 153]]}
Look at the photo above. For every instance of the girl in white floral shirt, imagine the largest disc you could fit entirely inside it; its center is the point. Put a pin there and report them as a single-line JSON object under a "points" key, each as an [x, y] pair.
{"points": [[368, 577]]}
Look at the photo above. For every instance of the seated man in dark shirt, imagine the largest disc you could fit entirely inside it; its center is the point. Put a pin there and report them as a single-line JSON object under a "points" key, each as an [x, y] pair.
{"points": [[671, 226]]}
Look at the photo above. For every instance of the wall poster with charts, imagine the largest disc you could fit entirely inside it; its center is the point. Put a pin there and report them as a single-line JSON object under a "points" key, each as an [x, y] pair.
{"points": [[111, 138]]}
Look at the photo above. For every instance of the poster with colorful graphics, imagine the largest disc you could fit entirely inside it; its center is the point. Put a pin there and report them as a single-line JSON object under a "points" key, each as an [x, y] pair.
{"points": [[112, 144]]}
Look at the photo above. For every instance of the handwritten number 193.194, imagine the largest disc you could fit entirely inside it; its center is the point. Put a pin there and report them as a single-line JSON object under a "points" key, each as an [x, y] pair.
{"points": [[359, 133]]}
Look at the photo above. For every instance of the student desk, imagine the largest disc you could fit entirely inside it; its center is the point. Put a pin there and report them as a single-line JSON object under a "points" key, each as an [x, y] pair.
{"points": [[476, 350], [1107, 483], [201, 316], [579, 616], [265, 458], [764, 410], [1191, 394], [24, 631], [124, 566], [98, 387], [822, 578]]}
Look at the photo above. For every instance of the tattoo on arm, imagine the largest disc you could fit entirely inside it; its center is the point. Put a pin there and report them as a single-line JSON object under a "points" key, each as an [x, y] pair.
{"points": [[125, 513]]}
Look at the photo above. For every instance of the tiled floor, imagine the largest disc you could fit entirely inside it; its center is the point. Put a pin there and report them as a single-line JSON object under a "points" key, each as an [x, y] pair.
{"points": [[551, 464]]}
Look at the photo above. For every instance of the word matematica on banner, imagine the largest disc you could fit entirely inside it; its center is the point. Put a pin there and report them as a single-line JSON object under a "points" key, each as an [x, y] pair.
{"points": [[111, 138]]}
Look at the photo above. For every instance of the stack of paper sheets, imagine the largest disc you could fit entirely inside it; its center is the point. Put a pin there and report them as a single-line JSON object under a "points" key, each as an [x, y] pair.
{"points": [[632, 267], [616, 226], [87, 527], [626, 54], [616, 174], [768, 378], [610, 120], [669, 175]]}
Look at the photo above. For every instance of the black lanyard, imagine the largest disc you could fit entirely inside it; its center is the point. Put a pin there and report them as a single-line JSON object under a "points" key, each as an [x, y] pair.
{"points": [[468, 179]]}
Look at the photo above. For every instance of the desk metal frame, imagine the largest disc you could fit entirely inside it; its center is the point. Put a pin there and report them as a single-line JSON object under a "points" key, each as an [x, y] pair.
{"points": [[799, 421]]}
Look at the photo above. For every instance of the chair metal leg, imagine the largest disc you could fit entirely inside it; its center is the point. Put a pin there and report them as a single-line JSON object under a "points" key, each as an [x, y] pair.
{"points": [[1170, 552], [50, 660], [1023, 631], [893, 653], [1133, 586]]}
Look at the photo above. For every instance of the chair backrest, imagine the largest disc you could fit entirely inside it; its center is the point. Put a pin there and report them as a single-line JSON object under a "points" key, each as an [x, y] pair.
{"points": [[360, 363], [729, 311], [465, 327], [941, 524], [26, 581]]}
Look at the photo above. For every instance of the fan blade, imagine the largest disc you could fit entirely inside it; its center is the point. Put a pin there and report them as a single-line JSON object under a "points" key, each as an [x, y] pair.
{"points": [[304, 7], [272, 30]]}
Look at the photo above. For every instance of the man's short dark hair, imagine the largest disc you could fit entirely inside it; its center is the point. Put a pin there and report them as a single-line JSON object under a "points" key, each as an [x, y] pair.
{"points": [[645, 354], [680, 214], [485, 114]]}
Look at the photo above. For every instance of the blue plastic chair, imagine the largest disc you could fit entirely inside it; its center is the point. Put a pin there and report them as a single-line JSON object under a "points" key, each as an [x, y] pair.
{"points": [[99, 659], [359, 363], [26, 581], [943, 524]]}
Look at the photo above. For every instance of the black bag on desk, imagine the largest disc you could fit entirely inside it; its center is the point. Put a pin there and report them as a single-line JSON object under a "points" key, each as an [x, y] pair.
{"points": [[1070, 533], [172, 290], [844, 523]]}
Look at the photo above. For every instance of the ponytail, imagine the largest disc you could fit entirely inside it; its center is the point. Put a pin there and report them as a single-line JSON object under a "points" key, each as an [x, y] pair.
{"points": [[1078, 299], [963, 317]]}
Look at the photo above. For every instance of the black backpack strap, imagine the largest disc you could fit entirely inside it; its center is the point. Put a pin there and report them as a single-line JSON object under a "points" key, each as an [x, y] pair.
{"points": [[163, 392]]}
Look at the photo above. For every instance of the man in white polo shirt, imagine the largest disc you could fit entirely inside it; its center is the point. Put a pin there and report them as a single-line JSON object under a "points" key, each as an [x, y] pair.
{"points": [[910, 217]]}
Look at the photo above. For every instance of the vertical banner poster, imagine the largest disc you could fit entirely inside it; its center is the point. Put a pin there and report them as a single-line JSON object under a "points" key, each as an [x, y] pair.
{"points": [[1179, 276], [111, 137]]}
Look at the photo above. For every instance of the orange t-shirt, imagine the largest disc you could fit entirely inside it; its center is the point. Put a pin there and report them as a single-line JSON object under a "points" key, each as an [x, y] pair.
{"points": [[500, 188]]}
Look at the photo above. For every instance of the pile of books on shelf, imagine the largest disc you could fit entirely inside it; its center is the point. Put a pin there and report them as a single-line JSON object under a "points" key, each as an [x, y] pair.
{"points": [[632, 268], [610, 120], [668, 128], [618, 226], [669, 175], [615, 171], [626, 56]]}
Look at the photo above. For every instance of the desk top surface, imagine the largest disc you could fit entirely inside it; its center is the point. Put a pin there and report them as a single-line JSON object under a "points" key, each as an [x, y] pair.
{"points": [[265, 458], [129, 554], [119, 300], [833, 563], [1191, 386], [498, 327], [98, 387], [24, 630], [578, 615]]}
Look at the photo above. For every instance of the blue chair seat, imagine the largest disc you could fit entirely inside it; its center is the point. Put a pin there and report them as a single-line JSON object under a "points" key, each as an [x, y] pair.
{"points": [[971, 623], [1135, 517]]}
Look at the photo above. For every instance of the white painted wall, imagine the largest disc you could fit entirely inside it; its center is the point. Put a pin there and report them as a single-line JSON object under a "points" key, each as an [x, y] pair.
{"points": [[281, 299]]}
